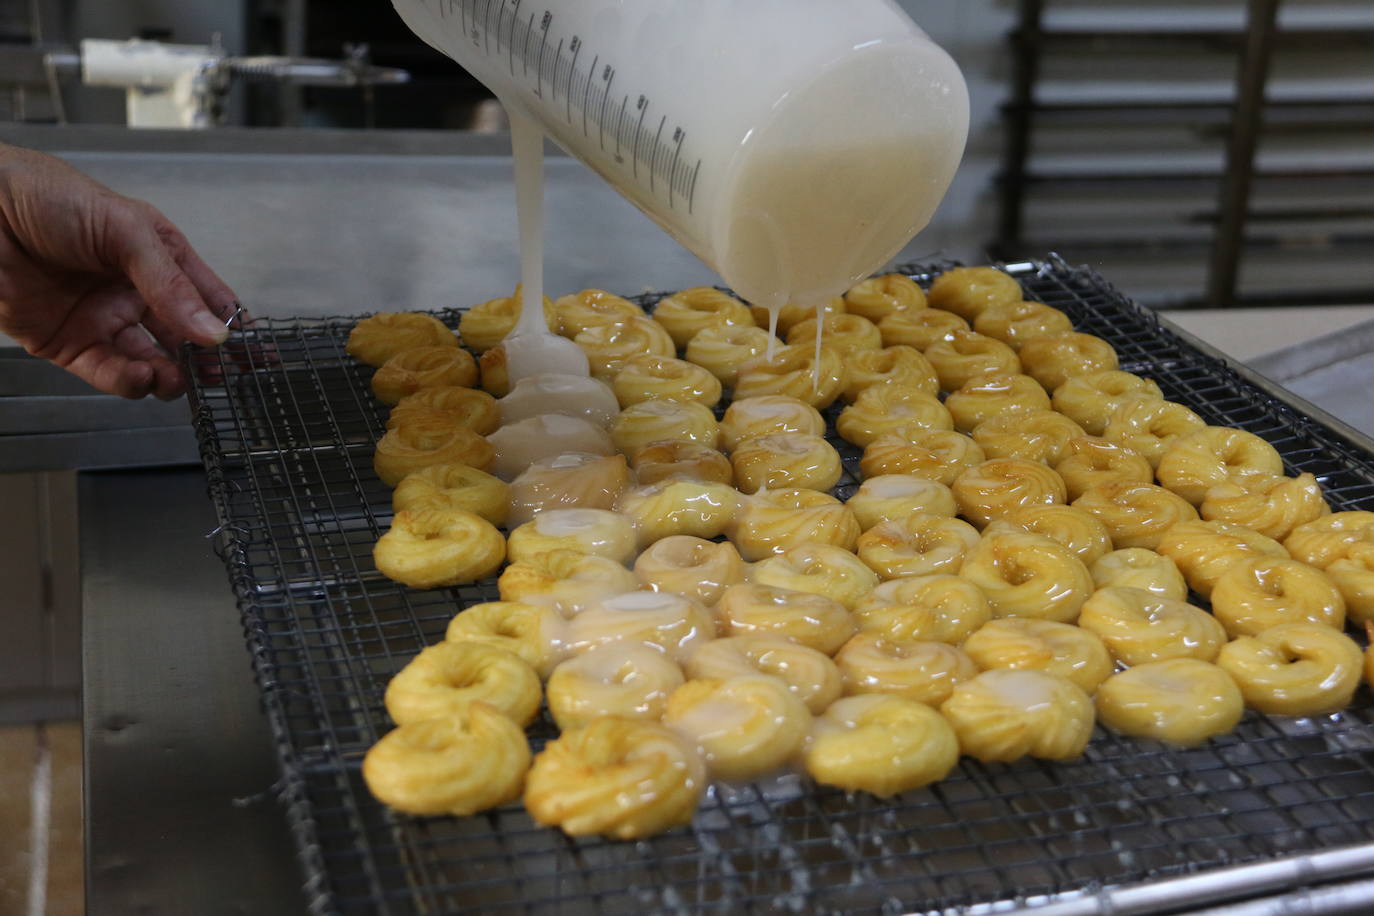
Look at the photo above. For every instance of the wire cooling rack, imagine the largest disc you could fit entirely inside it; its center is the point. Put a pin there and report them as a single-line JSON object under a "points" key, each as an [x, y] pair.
{"points": [[287, 427]]}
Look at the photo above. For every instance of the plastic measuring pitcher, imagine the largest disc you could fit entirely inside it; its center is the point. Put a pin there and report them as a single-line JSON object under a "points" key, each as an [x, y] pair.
{"points": [[793, 145]]}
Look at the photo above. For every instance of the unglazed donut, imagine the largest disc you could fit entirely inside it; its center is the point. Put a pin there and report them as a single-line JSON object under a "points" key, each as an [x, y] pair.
{"points": [[1089, 399], [691, 567], [1084, 536], [436, 548], [721, 351], [448, 677], [680, 459], [880, 744], [819, 568], [624, 778], [774, 521], [598, 532], [1294, 669], [935, 454], [919, 329], [917, 545], [517, 446], [785, 460], [1014, 323], [993, 488], [1261, 592], [895, 496], [676, 625], [846, 334], [426, 441], [629, 681], [763, 416], [1002, 716], [609, 347], [377, 338], [469, 407], [898, 365], [790, 315], [803, 617], [744, 726], [572, 481], [1197, 461], [593, 308], [1273, 506], [566, 580], [969, 291], [533, 632], [494, 371], [679, 507], [453, 486], [1182, 701], [936, 608], [1026, 575], [793, 371], [890, 409], [1036, 435], [423, 367], [1089, 461], [922, 671], [689, 312], [651, 376], [1150, 425], [1140, 626], [879, 297], [965, 355], [809, 674], [455, 765], [658, 419], [1022, 644], [989, 396], [487, 324], [1341, 544], [1055, 358], [1136, 567], [1136, 514], [1202, 551]]}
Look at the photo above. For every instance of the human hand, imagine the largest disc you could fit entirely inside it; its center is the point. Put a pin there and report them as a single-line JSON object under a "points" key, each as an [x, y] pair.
{"points": [[100, 284]]}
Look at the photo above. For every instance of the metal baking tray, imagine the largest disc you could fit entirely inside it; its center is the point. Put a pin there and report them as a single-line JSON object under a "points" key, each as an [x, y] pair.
{"points": [[1281, 809]]}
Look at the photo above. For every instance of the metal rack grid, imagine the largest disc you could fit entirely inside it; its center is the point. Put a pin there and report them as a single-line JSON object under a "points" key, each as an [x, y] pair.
{"points": [[287, 428]]}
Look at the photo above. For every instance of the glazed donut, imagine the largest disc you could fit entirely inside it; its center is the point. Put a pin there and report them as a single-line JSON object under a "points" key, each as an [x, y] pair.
{"points": [[469, 407], [623, 778], [658, 419], [593, 308], [1084, 536], [691, 567], [721, 351], [1294, 669], [895, 496], [572, 481], [878, 297], [425, 441], [438, 548], [1183, 701], [453, 486], [376, 339], [1089, 461], [689, 312], [935, 454], [455, 765], [1261, 592], [898, 365], [485, 325], [1136, 567], [494, 371], [818, 568], [518, 446], [565, 580], [1197, 461], [1036, 435], [993, 488], [989, 396], [679, 507], [1026, 575], [763, 416], [1014, 323], [846, 334], [922, 671], [793, 371], [1089, 399], [535, 633], [880, 744], [743, 726], [1136, 514], [919, 329], [917, 545], [1341, 544], [790, 315], [1002, 716], [1022, 644], [938, 608], [680, 459], [774, 521], [423, 367], [890, 409], [598, 532], [629, 681], [445, 679], [1202, 551], [785, 460], [803, 617], [809, 674], [610, 347], [1055, 358], [1140, 626], [674, 624], [1273, 506], [969, 291], [650, 376], [1149, 425], [965, 355]]}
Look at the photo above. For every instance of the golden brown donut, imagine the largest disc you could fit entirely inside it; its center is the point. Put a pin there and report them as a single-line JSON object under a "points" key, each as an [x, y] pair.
{"points": [[1261, 592], [775, 521], [1294, 669], [1026, 575], [1002, 716], [598, 532], [469, 407], [670, 623], [744, 726], [793, 371], [680, 459], [879, 297], [1084, 536], [1182, 701], [790, 315], [989, 396], [966, 355], [536, 633], [689, 312], [936, 454], [1203, 551], [1273, 506], [1055, 358], [425, 441], [658, 419], [453, 486], [376, 339], [785, 460], [1024, 644], [1136, 567], [810, 675], [423, 367], [495, 372], [448, 677], [919, 329], [1014, 323], [609, 347], [1149, 425], [593, 308], [1197, 461], [1341, 544], [937, 608], [846, 334], [895, 496], [1089, 399], [487, 324], [881, 745], [890, 409], [1089, 461], [922, 671], [438, 548], [804, 617], [652, 376], [572, 481], [626, 680], [917, 545], [671, 507], [761, 416], [565, 580], [993, 488], [1136, 514], [721, 351], [1140, 626], [968, 291], [1036, 435], [818, 568], [690, 566], [896, 365]]}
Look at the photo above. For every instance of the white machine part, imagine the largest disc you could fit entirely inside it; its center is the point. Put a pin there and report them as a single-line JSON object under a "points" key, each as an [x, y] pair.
{"points": [[164, 85]]}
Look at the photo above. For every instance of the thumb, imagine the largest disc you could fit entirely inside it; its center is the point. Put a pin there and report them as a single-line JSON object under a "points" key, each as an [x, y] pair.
{"points": [[165, 287]]}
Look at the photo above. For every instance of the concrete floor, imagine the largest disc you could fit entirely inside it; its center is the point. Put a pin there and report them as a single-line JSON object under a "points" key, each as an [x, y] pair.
{"points": [[41, 856]]}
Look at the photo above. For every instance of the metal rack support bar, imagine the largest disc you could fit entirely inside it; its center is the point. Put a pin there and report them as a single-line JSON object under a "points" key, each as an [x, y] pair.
{"points": [[1026, 54]]}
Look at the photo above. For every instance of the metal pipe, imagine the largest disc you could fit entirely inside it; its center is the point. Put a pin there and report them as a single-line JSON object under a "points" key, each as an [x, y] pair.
{"points": [[1026, 53]]}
